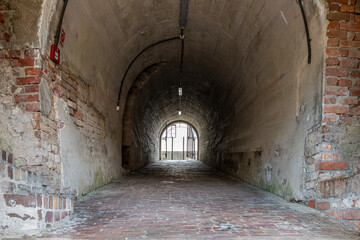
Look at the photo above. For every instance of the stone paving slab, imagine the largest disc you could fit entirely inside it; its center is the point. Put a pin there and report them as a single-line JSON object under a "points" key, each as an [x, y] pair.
{"points": [[188, 200]]}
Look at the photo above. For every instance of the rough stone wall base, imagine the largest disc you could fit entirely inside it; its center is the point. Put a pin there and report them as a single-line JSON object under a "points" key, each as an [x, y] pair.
{"points": [[25, 207]]}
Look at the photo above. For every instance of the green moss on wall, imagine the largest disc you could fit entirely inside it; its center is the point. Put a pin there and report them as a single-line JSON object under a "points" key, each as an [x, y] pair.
{"points": [[277, 188]]}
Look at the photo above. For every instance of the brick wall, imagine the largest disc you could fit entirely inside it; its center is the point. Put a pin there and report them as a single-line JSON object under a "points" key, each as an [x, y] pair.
{"points": [[32, 191], [24, 203], [332, 171], [31, 70]]}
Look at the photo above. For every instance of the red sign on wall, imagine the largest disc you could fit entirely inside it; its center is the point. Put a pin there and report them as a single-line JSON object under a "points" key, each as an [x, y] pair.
{"points": [[62, 37], [55, 54]]}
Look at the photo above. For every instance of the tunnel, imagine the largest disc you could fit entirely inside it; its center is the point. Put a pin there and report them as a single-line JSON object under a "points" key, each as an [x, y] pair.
{"points": [[88, 87]]}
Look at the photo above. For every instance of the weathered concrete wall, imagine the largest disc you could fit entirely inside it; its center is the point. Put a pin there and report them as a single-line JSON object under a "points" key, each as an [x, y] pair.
{"points": [[273, 102]]}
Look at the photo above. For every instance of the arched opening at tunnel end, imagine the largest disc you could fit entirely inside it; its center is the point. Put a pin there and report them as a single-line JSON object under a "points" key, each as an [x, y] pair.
{"points": [[179, 141]]}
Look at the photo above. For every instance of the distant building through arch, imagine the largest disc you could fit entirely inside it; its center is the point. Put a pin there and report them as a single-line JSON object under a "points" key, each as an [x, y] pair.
{"points": [[178, 141]]}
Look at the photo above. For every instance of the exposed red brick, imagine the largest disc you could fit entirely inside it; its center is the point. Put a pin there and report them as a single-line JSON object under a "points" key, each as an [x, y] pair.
{"points": [[334, 25], [332, 61], [336, 33], [329, 100], [27, 98], [333, 42], [347, 8], [336, 16], [337, 1], [350, 44], [351, 36], [33, 71], [49, 217], [331, 81], [357, 18], [23, 62], [336, 109], [345, 83], [355, 111], [337, 72], [27, 80], [334, 7], [3, 156], [27, 200], [14, 54], [336, 52], [339, 91], [10, 158], [357, 37], [32, 88], [354, 54], [10, 172], [332, 166], [312, 203], [325, 156], [355, 74], [1, 17], [353, 214], [349, 63], [350, 26], [323, 205], [348, 101], [354, 92], [357, 7], [33, 107], [331, 213]]}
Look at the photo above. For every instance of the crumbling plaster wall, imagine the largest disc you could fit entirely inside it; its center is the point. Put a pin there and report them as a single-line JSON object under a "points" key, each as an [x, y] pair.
{"points": [[51, 120]]}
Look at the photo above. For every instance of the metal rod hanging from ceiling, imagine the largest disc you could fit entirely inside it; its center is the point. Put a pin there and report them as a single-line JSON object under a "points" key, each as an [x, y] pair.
{"points": [[306, 30], [183, 13], [183, 16], [58, 30]]}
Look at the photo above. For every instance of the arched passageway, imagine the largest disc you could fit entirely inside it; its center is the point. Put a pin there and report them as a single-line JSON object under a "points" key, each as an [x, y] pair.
{"points": [[272, 87]]}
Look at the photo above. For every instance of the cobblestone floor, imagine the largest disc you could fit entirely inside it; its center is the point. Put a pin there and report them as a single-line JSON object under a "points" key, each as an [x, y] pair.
{"points": [[188, 200]]}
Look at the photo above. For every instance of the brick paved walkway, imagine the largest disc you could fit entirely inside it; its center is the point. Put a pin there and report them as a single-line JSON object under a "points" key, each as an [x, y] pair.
{"points": [[187, 200]]}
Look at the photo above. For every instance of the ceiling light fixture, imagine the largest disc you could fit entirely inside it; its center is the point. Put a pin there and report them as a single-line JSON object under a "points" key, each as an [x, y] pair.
{"points": [[180, 91]]}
